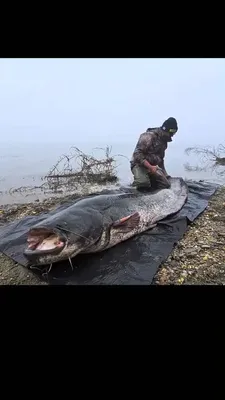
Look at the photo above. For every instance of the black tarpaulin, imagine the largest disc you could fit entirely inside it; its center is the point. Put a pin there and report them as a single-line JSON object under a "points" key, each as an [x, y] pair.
{"points": [[135, 261]]}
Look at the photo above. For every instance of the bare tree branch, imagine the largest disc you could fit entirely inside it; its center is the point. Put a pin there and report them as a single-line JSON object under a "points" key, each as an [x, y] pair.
{"points": [[209, 158], [74, 169]]}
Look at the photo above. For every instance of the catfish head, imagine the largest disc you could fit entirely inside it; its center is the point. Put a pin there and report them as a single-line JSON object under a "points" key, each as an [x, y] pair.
{"points": [[63, 236]]}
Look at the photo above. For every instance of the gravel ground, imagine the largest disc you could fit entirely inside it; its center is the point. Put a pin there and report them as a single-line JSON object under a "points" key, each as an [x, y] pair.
{"points": [[199, 258]]}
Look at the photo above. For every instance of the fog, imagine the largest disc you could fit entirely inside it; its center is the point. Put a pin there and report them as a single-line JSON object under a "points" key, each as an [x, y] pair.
{"points": [[110, 100]]}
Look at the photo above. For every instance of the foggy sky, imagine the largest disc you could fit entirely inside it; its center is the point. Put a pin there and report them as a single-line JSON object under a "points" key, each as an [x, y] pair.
{"points": [[64, 100]]}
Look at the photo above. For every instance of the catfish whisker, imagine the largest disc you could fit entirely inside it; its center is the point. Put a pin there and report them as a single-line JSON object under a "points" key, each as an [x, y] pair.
{"points": [[71, 263], [49, 268], [47, 272], [74, 233], [34, 267]]}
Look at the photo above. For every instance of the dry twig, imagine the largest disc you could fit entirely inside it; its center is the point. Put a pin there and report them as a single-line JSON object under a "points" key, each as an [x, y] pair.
{"points": [[209, 158], [74, 169]]}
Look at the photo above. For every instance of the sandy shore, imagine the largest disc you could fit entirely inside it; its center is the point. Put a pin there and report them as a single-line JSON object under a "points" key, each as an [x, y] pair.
{"points": [[199, 258]]}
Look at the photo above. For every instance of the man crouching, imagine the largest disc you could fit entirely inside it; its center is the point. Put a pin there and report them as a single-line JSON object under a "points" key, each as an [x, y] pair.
{"points": [[147, 163]]}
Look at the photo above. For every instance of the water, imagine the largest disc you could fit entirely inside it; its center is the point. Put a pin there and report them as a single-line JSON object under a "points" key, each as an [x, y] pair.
{"points": [[24, 164]]}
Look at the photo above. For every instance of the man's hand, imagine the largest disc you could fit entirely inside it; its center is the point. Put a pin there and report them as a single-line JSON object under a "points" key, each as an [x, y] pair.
{"points": [[152, 169], [155, 169]]}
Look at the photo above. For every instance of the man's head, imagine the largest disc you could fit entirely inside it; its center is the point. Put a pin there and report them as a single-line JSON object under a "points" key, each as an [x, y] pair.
{"points": [[169, 127]]}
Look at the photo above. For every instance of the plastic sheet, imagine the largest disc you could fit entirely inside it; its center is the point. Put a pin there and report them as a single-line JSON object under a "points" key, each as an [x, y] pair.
{"points": [[133, 262]]}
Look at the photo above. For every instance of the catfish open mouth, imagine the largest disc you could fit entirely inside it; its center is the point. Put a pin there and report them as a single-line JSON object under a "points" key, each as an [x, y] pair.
{"points": [[42, 241]]}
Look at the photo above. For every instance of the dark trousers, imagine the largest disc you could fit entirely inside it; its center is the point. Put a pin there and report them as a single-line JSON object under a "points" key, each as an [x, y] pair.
{"points": [[144, 180]]}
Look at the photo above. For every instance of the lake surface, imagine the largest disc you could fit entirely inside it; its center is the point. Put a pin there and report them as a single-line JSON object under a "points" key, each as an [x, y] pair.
{"points": [[25, 164]]}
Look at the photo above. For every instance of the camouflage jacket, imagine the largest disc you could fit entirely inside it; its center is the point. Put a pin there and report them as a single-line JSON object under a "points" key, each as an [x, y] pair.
{"points": [[151, 146]]}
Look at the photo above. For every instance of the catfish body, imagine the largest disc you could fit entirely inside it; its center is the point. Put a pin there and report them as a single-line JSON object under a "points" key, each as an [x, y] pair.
{"points": [[100, 222]]}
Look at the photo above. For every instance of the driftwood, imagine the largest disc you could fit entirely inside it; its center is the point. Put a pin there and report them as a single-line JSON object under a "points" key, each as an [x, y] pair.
{"points": [[74, 169]]}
